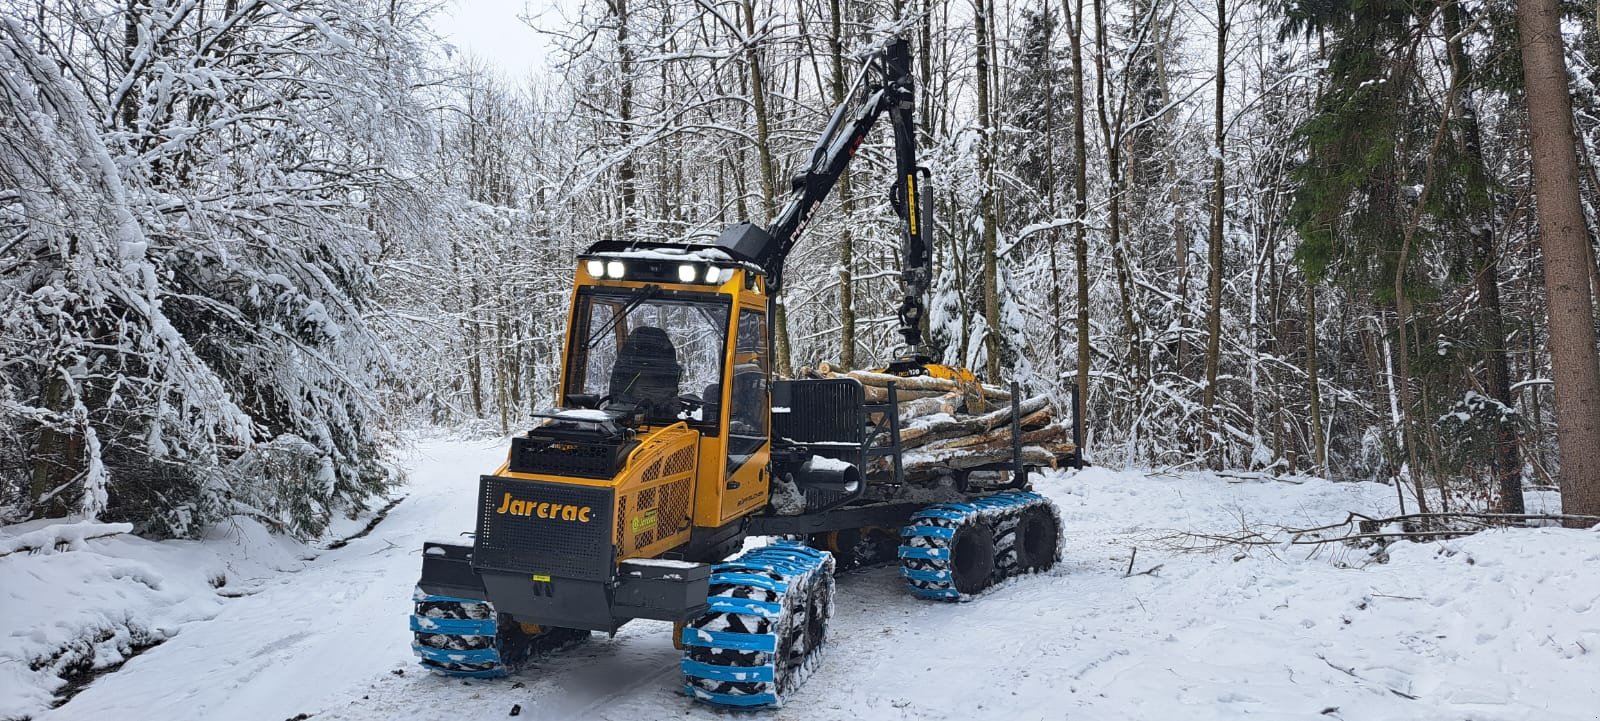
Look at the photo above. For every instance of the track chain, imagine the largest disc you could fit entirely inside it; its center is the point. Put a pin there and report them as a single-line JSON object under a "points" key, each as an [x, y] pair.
{"points": [[951, 551], [765, 628], [464, 637]]}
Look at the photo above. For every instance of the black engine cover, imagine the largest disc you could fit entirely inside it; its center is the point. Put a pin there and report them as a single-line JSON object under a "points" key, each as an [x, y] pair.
{"points": [[544, 529]]}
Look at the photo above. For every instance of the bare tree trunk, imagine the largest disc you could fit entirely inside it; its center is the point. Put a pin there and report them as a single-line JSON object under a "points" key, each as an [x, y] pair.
{"points": [[51, 464], [625, 170], [1080, 205], [475, 347], [1402, 305], [1112, 137], [982, 22], [1052, 239], [847, 312], [1318, 441], [758, 102], [1507, 460], [1563, 236], [1214, 286]]}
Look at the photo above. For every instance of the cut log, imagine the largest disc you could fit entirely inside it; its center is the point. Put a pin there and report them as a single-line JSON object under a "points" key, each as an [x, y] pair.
{"points": [[1039, 418], [1003, 414], [934, 427], [963, 459], [948, 403], [1000, 438], [879, 394], [928, 383], [918, 431]]}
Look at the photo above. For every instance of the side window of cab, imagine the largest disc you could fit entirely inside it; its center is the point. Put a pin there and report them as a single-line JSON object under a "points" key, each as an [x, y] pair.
{"points": [[748, 414]]}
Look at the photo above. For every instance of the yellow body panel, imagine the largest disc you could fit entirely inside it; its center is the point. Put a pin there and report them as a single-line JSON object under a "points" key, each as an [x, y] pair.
{"points": [[654, 491]]}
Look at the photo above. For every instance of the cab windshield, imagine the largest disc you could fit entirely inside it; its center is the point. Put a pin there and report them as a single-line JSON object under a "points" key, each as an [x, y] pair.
{"points": [[649, 351]]}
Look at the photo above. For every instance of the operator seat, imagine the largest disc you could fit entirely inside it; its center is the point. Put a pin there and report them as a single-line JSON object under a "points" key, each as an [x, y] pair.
{"points": [[647, 372]]}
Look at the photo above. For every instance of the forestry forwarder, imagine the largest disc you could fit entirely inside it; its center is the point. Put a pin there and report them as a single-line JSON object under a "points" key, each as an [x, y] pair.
{"points": [[676, 444]]}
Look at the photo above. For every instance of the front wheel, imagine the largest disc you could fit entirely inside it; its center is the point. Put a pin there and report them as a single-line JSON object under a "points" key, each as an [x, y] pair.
{"points": [[764, 627], [468, 638]]}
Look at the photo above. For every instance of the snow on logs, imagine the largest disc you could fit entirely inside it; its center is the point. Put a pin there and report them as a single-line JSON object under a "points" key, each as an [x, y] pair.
{"points": [[950, 425]]}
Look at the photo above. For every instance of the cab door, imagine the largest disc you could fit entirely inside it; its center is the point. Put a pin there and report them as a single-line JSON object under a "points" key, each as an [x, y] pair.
{"points": [[749, 437]]}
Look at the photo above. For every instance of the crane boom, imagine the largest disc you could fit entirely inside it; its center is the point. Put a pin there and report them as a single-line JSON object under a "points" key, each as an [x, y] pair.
{"points": [[884, 87]]}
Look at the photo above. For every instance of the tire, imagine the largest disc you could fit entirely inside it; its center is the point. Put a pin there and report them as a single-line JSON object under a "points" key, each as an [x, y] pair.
{"points": [[972, 558], [1037, 535], [819, 610], [854, 548]]}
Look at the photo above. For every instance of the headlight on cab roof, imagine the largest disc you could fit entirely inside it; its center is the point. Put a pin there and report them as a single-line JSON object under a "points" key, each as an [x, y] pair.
{"points": [[596, 268]]}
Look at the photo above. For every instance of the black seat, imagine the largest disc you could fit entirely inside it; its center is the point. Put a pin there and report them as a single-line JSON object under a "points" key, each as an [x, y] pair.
{"points": [[647, 372]]}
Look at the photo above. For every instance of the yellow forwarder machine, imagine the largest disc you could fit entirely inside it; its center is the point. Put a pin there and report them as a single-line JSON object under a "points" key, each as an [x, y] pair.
{"points": [[675, 444]]}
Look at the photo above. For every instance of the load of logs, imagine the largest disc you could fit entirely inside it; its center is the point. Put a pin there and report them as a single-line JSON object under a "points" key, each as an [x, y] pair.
{"points": [[951, 425]]}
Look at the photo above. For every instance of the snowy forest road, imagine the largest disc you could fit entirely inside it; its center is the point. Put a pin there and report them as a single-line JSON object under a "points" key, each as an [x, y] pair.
{"points": [[1482, 628]]}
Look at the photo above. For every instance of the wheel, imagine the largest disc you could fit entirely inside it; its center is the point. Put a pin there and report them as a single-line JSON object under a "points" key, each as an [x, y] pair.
{"points": [[466, 637], [854, 548], [766, 620], [819, 609], [456, 636], [972, 552], [1037, 534], [749, 624]]}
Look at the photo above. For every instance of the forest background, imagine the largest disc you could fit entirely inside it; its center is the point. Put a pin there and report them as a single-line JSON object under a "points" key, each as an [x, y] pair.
{"points": [[244, 243]]}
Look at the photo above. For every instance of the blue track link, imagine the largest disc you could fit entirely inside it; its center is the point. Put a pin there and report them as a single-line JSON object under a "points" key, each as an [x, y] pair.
{"points": [[925, 552], [753, 643]]}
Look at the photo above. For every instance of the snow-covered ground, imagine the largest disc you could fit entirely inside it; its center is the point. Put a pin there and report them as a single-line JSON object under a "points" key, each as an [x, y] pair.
{"points": [[1501, 625]]}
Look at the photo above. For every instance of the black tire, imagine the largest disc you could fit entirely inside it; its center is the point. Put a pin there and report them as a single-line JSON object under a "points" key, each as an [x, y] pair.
{"points": [[854, 548], [517, 645], [1037, 534], [972, 557]]}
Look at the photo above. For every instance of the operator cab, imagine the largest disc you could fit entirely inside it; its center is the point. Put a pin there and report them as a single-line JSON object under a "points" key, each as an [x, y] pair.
{"points": [[665, 334]]}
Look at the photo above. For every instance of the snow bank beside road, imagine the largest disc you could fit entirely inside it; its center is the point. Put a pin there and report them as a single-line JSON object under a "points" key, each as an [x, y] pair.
{"points": [[90, 596]]}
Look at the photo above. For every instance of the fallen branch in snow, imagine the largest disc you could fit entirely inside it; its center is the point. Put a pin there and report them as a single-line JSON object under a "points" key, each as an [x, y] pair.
{"points": [[1351, 672], [68, 536], [1151, 571], [1362, 530]]}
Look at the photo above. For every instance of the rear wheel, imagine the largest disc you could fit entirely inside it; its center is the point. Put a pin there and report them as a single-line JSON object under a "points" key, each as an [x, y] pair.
{"points": [[1037, 535], [972, 558], [953, 551]]}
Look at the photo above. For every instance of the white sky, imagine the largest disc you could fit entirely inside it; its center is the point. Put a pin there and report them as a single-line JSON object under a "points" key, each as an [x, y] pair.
{"points": [[494, 31]]}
